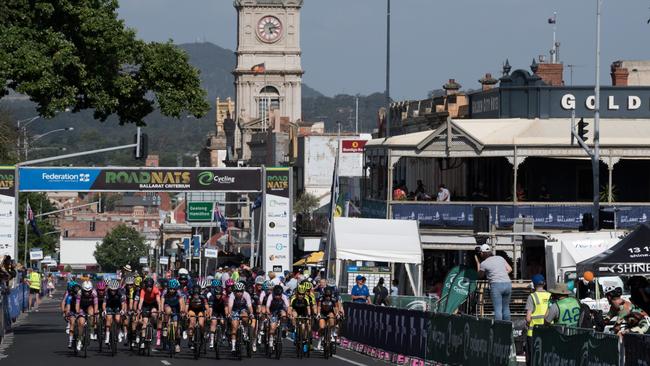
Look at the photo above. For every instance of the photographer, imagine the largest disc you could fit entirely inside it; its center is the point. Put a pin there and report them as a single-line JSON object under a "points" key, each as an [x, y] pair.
{"points": [[496, 270]]}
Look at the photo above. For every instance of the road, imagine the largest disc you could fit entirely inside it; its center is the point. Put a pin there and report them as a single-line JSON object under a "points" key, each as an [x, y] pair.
{"points": [[39, 339]]}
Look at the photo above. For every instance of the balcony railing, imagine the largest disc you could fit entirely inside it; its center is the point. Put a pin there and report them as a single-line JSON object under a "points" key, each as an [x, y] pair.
{"points": [[546, 215]]}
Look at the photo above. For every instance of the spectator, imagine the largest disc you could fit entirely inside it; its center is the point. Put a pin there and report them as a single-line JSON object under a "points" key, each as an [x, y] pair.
{"points": [[443, 194], [563, 310], [640, 292], [521, 193], [360, 292], [399, 194], [536, 307], [50, 285], [292, 284], [7, 271], [33, 280], [496, 270], [275, 280], [479, 192], [381, 293], [543, 194], [394, 290]]}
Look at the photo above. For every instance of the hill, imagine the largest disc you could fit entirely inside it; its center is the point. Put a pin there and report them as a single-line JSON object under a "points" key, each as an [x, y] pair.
{"points": [[177, 140]]}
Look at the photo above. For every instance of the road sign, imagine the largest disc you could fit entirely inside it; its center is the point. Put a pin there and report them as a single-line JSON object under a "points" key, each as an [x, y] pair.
{"points": [[211, 253], [200, 211], [143, 260], [36, 254], [164, 260]]}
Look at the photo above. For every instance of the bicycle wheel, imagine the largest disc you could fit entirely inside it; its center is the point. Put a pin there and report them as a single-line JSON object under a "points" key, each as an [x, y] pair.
{"points": [[75, 337], [113, 337], [86, 339], [217, 340], [297, 341], [171, 339], [149, 338], [278, 343], [325, 342], [99, 331], [239, 340]]}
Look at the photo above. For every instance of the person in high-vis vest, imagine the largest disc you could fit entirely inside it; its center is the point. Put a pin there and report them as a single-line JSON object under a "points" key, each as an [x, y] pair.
{"points": [[536, 307], [34, 282], [563, 310]]}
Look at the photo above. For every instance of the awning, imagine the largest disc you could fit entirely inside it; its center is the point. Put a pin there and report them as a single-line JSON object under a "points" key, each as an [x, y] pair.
{"points": [[576, 247], [630, 256], [313, 258], [378, 240]]}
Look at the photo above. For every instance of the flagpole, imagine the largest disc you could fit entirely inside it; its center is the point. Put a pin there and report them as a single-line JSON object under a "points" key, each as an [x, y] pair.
{"points": [[27, 208], [333, 199]]}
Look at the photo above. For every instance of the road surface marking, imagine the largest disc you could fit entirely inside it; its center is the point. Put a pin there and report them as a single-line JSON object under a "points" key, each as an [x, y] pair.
{"points": [[349, 361], [166, 363]]}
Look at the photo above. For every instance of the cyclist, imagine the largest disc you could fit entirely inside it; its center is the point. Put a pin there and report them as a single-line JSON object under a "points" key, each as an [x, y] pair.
{"points": [[256, 293], [173, 304], [228, 286], [132, 298], [148, 307], [239, 307], [327, 309], [162, 284], [277, 306], [100, 287], [626, 316], [184, 280], [69, 308], [86, 301], [113, 307], [197, 306], [217, 303], [300, 305]]}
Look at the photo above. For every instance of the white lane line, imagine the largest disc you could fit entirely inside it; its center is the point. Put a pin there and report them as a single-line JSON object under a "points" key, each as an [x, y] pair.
{"points": [[349, 361], [165, 362]]}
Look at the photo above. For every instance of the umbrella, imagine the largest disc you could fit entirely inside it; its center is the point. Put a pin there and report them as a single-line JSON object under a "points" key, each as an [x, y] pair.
{"points": [[313, 258]]}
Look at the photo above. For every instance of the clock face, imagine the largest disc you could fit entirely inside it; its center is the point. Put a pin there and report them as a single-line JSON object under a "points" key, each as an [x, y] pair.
{"points": [[269, 29]]}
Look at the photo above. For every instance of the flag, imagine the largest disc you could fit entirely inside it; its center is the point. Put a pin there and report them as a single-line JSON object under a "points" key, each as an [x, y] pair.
{"points": [[259, 68], [552, 20], [29, 217], [220, 219], [257, 203]]}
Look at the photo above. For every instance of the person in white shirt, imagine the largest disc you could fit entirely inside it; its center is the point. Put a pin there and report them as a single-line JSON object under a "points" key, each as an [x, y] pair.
{"points": [[443, 194]]}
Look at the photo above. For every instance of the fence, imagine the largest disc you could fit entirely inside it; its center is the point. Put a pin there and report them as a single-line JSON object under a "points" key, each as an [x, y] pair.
{"points": [[401, 334], [637, 349], [555, 345], [421, 303]]}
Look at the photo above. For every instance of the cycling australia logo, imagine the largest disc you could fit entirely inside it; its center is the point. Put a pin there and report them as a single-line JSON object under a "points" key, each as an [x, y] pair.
{"points": [[207, 178]]}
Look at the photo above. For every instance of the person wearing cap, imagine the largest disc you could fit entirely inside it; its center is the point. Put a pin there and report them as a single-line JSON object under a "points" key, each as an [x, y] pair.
{"points": [[536, 307], [496, 270], [360, 292], [563, 310]]}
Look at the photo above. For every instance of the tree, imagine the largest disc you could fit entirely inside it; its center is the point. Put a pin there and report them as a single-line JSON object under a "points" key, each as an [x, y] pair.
{"points": [[122, 246], [77, 54], [306, 204], [8, 138]]}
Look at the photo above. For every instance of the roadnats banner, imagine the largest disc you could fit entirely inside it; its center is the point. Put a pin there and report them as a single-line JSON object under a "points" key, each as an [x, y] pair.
{"points": [[552, 347]]}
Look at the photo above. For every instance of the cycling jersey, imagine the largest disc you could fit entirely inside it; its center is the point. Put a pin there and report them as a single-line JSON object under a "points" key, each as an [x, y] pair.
{"points": [[86, 299], [172, 300], [300, 305], [100, 298], [132, 293], [327, 305], [236, 304], [72, 301], [218, 305], [196, 303], [275, 305], [256, 298], [114, 302], [149, 297]]}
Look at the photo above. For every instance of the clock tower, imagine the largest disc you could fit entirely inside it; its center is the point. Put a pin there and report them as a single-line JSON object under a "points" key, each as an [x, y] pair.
{"points": [[268, 75]]}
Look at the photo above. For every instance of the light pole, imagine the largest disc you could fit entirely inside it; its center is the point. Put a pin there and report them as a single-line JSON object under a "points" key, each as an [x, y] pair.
{"points": [[387, 68], [38, 137], [595, 160], [21, 127]]}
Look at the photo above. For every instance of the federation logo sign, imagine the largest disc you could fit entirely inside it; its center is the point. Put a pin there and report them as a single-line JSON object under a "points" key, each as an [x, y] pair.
{"points": [[65, 177]]}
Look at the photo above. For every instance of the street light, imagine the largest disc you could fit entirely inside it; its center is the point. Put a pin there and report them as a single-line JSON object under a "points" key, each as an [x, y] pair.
{"points": [[38, 137]]}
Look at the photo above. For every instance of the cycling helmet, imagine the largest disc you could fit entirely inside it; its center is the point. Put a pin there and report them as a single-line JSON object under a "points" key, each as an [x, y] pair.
{"points": [[204, 283], [129, 280], [259, 280], [301, 290], [183, 271], [218, 290], [87, 286], [328, 291], [239, 287], [613, 291], [162, 282], [230, 282], [101, 286], [148, 282], [71, 285], [277, 290], [138, 281], [308, 285], [196, 289], [331, 282], [113, 285], [174, 284], [216, 283], [266, 285]]}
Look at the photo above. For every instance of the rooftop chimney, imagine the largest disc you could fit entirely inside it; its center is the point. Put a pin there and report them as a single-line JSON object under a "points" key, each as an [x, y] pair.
{"points": [[487, 82], [452, 87], [619, 74], [551, 74]]}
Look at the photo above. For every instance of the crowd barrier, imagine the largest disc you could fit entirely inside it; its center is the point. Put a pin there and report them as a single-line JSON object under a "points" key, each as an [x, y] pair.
{"points": [[637, 349], [395, 334], [554, 345], [421, 303]]}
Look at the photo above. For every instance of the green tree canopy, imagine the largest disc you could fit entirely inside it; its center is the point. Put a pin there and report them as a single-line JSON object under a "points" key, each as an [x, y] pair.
{"points": [[46, 237], [122, 246], [306, 203], [77, 54]]}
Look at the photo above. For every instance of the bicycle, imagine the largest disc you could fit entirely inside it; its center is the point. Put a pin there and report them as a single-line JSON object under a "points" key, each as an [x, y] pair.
{"points": [[328, 343], [113, 332], [198, 339], [274, 350], [148, 336], [170, 334], [99, 329], [219, 334], [303, 335], [84, 337]]}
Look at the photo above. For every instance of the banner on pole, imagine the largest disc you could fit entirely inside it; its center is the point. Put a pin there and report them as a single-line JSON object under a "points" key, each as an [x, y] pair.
{"points": [[164, 260], [196, 246], [35, 254], [7, 210], [144, 260], [459, 283], [278, 236]]}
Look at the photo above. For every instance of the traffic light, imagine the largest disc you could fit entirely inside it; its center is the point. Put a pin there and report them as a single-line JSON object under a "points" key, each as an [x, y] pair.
{"points": [[141, 151], [582, 132]]}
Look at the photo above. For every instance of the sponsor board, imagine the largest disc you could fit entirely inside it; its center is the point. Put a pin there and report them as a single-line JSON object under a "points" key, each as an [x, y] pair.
{"points": [[352, 146], [141, 179], [7, 210], [277, 221]]}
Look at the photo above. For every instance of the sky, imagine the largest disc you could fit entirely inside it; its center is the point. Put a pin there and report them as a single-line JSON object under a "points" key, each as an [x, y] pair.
{"points": [[344, 41]]}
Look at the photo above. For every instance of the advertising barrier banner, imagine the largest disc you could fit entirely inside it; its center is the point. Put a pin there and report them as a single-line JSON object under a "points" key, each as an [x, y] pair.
{"points": [[465, 340], [459, 283], [140, 179], [277, 221], [395, 330], [7, 210], [637, 349], [552, 347]]}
